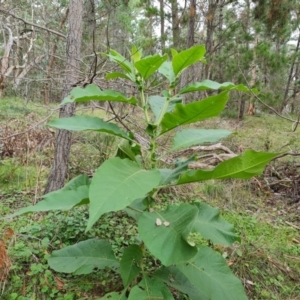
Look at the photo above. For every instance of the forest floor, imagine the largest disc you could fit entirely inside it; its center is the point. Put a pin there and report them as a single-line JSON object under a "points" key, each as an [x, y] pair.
{"points": [[265, 210]]}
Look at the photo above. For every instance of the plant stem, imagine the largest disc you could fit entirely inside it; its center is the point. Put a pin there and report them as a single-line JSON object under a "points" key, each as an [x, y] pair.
{"points": [[144, 105], [137, 210], [165, 107]]}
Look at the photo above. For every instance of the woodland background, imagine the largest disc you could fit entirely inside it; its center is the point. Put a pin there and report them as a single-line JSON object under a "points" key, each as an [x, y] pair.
{"points": [[255, 43]]}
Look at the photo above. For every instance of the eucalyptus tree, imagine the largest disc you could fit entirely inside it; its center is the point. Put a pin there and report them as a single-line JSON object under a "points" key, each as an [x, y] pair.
{"points": [[27, 34], [59, 168]]}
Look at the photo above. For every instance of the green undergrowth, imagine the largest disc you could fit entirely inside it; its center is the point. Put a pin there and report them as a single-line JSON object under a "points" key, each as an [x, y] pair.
{"points": [[266, 260]]}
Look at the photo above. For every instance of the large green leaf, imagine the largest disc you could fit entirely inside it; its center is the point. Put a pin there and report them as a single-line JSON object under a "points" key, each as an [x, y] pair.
{"points": [[60, 200], [163, 233], [116, 184], [83, 258], [177, 280], [148, 65], [72, 184], [166, 69], [190, 137], [75, 182], [212, 227], [209, 274], [136, 208], [194, 112], [244, 166], [81, 123], [205, 277], [114, 296], [92, 92], [213, 85], [150, 289], [187, 58], [129, 265]]}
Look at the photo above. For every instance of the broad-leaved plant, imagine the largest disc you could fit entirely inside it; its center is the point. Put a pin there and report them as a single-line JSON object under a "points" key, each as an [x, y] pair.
{"points": [[130, 181]]}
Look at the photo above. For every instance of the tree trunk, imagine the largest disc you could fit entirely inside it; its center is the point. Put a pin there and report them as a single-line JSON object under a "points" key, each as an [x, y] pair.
{"points": [[210, 29], [291, 74], [190, 72], [220, 38], [162, 26], [175, 24], [51, 61], [59, 169], [4, 62]]}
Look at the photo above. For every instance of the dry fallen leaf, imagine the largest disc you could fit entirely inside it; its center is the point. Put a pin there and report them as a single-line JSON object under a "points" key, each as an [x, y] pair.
{"points": [[8, 234], [59, 283]]}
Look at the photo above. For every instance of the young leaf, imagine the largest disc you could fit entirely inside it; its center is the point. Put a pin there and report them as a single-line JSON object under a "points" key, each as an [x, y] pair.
{"points": [[190, 137], [125, 150], [174, 52], [157, 104], [166, 69], [115, 75], [116, 184], [150, 288], [212, 227], [58, 200], [120, 60], [244, 166], [187, 58], [129, 265], [148, 65], [169, 175], [81, 123], [92, 92], [135, 54], [83, 258], [194, 112], [167, 242], [209, 274]]}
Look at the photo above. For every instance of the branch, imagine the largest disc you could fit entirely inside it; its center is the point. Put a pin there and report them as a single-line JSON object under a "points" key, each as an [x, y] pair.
{"points": [[32, 24], [30, 128], [296, 122]]}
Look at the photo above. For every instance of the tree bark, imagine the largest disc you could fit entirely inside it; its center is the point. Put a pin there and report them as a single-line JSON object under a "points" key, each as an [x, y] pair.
{"points": [[291, 74], [59, 169], [210, 30], [52, 59], [4, 63], [175, 24], [190, 72], [162, 26]]}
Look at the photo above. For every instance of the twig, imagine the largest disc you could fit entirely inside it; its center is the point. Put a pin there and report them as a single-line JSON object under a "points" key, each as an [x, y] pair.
{"points": [[292, 225], [266, 105], [118, 118], [285, 154], [28, 129], [32, 24]]}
